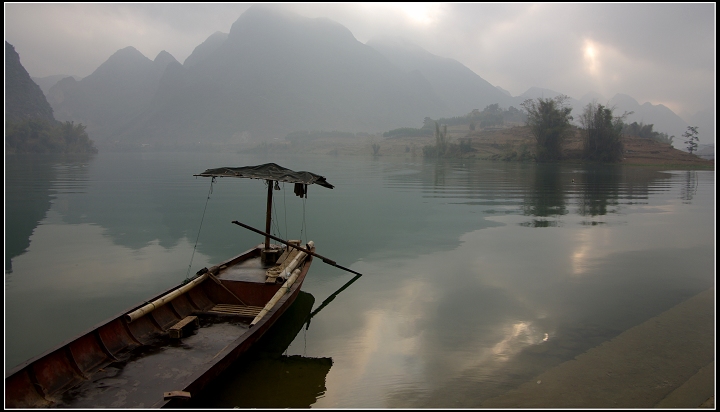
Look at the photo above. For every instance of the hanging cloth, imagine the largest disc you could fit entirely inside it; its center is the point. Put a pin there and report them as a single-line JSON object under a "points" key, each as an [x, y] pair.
{"points": [[300, 190]]}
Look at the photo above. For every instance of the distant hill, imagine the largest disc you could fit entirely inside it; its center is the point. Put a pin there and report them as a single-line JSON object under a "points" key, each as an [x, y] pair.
{"points": [[276, 72], [23, 98], [110, 98], [460, 89], [664, 119], [47, 82], [205, 49], [539, 92], [30, 126], [706, 151], [505, 92]]}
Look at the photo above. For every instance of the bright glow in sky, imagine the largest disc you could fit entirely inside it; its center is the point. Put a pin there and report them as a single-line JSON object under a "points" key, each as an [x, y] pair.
{"points": [[591, 58], [421, 13]]}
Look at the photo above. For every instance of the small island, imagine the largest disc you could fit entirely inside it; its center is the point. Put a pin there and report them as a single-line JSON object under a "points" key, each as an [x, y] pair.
{"points": [[501, 135]]}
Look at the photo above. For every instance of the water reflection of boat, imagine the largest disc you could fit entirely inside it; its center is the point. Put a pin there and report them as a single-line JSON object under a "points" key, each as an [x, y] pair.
{"points": [[161, 353], [257, 380]]}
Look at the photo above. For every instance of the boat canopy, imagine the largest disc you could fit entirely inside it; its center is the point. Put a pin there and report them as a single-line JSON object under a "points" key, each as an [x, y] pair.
{"points": [[268, 171]]}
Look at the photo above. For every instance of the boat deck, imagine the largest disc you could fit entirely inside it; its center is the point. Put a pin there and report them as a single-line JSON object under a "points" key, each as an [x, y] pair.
{"points": [[141, 376], [251, 270]]}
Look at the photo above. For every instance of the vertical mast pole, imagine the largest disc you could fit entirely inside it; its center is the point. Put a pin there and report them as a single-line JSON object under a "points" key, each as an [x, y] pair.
{"points": [[268, 218]]}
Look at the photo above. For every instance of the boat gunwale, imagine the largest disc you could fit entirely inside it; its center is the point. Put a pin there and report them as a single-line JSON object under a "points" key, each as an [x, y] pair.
{"points": [[197, 380], [248, 254]]}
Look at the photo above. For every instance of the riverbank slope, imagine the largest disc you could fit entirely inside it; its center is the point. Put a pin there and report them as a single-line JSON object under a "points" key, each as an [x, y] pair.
{"points": [[509, 143]]}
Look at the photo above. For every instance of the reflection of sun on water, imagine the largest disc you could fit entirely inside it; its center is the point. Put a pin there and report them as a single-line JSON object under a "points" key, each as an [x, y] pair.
{"points": [[579, 256], [520, 335]]}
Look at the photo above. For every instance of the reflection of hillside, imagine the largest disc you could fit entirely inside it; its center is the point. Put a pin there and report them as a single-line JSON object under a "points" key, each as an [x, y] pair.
{"points": [[139, 200], [145, 197], [266, 378], [28, 195]]}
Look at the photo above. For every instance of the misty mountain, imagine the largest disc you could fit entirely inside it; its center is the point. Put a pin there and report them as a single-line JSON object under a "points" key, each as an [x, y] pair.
{"points": [[278, 72], [706, 151], [109, 99], [47, 82], [537, 93], [205, 49], [23, 97], [460, 89], [505, 92], [664, 119], [30, 126]]}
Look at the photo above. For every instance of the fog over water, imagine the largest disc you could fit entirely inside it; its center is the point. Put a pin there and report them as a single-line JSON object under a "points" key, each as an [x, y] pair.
{"points": [[477, 275]]}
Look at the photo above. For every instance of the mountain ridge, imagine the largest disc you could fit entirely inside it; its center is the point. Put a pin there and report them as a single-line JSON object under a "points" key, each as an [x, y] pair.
{"points": [[276, 72], [271, 76], [23, 97], [460, 89]]}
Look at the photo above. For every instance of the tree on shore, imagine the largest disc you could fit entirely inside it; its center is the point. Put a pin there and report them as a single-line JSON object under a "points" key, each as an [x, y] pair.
{"points": [[549, 121], [691, 138], [441, 143], [603, 132], [42, 136], [646, 131]]}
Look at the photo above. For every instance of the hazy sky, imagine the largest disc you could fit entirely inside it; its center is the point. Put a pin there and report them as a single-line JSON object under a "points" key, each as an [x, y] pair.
{"points": [[661, 53]]}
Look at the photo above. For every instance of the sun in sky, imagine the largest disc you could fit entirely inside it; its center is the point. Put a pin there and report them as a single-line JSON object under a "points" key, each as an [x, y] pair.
{"points": [[592, 60], [419, 13]]}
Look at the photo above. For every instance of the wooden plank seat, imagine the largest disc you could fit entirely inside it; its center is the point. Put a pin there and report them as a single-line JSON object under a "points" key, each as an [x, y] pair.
{"points": [[234, 310], [183, 327]]}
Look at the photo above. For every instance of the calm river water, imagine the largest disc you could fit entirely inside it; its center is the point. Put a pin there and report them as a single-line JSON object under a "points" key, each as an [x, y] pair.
{"points": [[478, 276]]}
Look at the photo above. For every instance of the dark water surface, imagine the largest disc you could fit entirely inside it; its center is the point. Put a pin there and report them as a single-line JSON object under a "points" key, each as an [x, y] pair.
{"points": [[478, 276]]}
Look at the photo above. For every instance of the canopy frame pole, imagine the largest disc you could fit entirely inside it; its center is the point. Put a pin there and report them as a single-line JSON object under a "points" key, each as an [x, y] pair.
{"points": [[311, 253], [268, 218]]}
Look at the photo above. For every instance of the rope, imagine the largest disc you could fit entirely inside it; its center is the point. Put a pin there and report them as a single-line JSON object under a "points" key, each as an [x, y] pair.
{"points": [[187, 275]]}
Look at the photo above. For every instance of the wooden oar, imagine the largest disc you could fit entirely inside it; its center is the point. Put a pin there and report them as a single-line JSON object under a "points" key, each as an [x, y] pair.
{"points": [[324, 259], [330, 299]]}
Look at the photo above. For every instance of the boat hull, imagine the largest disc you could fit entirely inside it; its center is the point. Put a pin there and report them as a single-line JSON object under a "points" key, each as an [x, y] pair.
{"points": [[133, 364]]}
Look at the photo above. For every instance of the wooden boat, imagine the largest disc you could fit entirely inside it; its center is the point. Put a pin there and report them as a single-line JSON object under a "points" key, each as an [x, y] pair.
{"points": [[159, 354], [245, 383]]}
